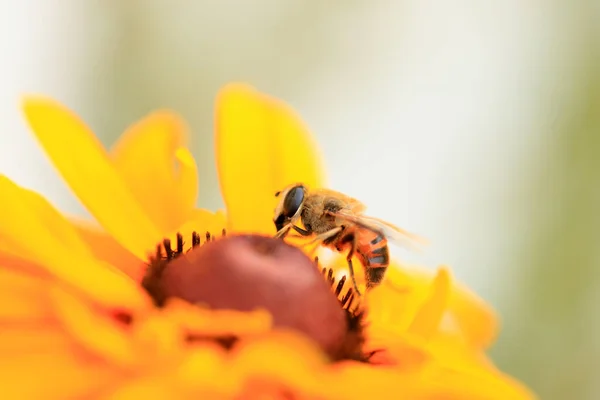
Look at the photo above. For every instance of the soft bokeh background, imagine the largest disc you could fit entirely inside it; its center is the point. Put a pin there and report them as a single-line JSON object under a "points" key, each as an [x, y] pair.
{"points": [[480, 121]]}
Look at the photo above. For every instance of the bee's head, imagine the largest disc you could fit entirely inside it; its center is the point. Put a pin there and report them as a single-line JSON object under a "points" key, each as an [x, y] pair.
{"points": [[290, 204]]}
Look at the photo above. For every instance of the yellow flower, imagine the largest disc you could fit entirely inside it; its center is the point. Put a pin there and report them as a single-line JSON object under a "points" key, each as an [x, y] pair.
{"points": [[77, 322]]}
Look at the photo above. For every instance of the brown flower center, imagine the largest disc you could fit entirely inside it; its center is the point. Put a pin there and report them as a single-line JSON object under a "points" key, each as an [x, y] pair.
{"points": [[247, 272]]}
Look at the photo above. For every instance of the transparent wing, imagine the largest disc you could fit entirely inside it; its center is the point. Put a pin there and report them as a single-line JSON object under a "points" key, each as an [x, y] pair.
{"points": [[393, 233]]}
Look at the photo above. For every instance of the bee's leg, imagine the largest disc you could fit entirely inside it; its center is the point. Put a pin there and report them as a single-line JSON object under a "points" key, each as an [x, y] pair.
{"points": [[283, 231], [303, 232], [286, 229], [351, 270]]}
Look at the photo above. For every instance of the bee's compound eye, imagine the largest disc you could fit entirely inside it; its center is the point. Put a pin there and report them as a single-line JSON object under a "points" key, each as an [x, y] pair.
{"points": [[293, 200]]}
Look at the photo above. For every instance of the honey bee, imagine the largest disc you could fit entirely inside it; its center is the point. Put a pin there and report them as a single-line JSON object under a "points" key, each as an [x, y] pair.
{"points": [[338, 222]]}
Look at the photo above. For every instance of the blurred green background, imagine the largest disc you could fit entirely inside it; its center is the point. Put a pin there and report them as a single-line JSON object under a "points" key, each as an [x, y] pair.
{"points": [[479, 120]]}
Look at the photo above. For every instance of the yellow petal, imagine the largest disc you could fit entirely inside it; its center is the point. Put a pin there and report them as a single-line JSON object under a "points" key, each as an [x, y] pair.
{"points": [[31, 338], [187, 179], [464, 382], [205, 369], [394, 305], [213, 222], [147, 388], [96, 332], [11, 261], [428, 317], [202, 222], [475, 319], [401, 350], [23, 297], [208, 225], [213, 323], [157, 168], [360, 381], [452, 350], [261, 146], [38, 233], [293, 360], [392, 309], [83, 163], [159, 341], [53, 374], [106, 248]]}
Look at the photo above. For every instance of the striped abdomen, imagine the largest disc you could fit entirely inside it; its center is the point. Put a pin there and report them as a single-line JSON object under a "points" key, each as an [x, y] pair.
{"points": [[372, 251]]}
